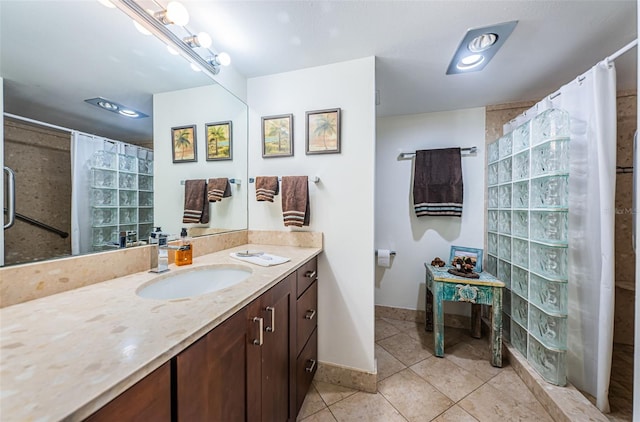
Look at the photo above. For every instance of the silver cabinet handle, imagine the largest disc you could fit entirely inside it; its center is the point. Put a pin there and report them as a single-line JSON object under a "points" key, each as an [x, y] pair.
{"points": [[312, 366], [260, 340], [310, 274], [272, 310], [11, 197], [310, 314]]}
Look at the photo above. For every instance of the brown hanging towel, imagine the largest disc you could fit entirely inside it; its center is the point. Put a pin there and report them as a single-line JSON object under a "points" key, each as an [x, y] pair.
{"points": [[196, 206], [266, 188], [437, 182], [218, 188], [295, 200]]}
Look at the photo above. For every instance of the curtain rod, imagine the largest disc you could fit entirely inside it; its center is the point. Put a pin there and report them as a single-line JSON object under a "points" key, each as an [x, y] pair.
{"points": [[404, 155], [620, 52], [26, 119]]}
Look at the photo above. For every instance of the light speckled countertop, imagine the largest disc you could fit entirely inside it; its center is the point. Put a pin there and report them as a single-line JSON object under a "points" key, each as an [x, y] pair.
{"points": [[66, 355]]}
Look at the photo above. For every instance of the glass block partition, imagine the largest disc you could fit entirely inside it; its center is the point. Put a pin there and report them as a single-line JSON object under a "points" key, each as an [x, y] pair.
{"points": [[528, 193]]}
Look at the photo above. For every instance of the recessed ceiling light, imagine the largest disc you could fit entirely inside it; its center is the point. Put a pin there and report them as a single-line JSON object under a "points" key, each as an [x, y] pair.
{"points": [[482, 42], [115, 107], [478, 47]]}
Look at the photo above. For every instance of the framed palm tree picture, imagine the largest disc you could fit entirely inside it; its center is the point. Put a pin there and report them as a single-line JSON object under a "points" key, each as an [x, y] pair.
{"points": [[323, 131], [219, 141], [183, 144], [277, 136]]}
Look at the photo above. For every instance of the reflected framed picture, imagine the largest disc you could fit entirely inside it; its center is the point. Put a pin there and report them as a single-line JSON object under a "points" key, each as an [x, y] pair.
{"points": [[277, 136], [323, 131], [463, 252], [183, 144], [219, 141]]}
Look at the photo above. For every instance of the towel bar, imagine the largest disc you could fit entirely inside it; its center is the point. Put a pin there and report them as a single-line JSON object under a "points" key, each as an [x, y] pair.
{"points": [[314, 179], [405, 155], [392, 253], [232, 181]]}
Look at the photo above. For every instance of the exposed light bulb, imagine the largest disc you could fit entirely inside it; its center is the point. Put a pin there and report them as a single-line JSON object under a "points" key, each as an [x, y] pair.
{"points": [[107, 3], [204, 39], [195, 67], [172, 50], [177, 13], [224, 59], [141, 28]]}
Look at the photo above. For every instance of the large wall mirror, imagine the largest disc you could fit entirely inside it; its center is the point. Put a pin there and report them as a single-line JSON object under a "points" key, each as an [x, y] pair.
{"points": [[54, 56]]}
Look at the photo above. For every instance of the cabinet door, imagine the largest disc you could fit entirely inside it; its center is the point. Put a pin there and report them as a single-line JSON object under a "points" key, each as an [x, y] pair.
{"points": [[211, 375], [277, 351], [148, 400]]}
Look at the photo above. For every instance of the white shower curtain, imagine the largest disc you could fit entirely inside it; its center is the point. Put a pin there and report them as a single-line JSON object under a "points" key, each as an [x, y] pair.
{"points": [[590, 101]]}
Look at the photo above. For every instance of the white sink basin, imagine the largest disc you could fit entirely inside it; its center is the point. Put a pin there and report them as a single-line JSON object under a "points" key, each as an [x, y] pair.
{"points": [[189, 283]]}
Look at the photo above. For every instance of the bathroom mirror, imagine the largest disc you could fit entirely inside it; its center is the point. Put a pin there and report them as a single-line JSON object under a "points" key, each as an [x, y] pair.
{"points": [[54, 56]]}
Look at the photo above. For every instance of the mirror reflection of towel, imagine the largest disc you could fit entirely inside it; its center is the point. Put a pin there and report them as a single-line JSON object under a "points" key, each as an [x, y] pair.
{"points": [[295, 200], [196, 205], [437, 183]]}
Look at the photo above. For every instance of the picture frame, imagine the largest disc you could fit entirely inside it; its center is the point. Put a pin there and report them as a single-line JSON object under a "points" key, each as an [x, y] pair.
{"points": [[183, 144], [277, 136], [323, 131], [219, 139], [463, 251]]}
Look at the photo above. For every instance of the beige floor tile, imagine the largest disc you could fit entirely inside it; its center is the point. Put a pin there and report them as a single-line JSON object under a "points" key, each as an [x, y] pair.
{"points": [[413, 397], [452, 336], [313, 403], [447, 377], [405, 348], [332, 393], [508, 382], [383, 329], [387, 364], [322, 416], [489, 404], [455, 414], [474, 356], [401, 325], [365, 407]]}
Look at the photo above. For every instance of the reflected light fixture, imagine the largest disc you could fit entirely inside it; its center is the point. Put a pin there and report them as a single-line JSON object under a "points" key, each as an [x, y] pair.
{"points": [[201, 40], [478, 47], [115, 107], [175, 13], [220, 59]]}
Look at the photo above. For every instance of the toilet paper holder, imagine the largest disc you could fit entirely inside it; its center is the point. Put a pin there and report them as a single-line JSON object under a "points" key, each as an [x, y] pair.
{"points": [[392, 253]]}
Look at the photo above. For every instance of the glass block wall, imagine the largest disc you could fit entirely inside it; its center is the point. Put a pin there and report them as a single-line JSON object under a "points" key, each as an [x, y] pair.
{"points": [[528, 193]]}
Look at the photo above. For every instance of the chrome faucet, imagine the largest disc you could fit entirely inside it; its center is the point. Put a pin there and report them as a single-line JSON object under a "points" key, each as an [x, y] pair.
{"points": [[159, 262]]}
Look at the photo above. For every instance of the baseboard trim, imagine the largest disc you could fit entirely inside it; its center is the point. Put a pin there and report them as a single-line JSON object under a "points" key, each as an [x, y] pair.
{"points": [[450, 320], [346, 377]]}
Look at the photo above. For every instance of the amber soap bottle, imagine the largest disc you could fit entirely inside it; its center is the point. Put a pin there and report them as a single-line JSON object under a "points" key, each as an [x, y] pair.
{"points": [[184, 253]]}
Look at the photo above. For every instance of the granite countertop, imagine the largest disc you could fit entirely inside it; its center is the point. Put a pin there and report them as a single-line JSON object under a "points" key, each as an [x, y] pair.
{"points": [[65, 356]]}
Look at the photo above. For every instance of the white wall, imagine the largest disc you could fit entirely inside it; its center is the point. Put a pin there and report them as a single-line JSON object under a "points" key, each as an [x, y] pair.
{"points": [[198, 106], [419, 240], [341, 205]]}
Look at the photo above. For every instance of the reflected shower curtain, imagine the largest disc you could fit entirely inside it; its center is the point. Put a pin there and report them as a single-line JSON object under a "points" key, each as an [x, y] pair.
{"points": [[590, 101]]}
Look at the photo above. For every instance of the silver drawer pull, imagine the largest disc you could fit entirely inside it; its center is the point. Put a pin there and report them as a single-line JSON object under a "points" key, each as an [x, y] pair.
{"points": [[312, 367], [310, 274], [272, 310], [310, 314], [260, 340]]}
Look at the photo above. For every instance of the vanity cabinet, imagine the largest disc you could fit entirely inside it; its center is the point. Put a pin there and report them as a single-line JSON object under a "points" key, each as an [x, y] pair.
{"points": [[148, 400]]}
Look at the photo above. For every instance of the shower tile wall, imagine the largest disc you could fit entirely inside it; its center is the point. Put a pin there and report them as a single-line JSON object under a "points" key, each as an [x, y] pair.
{"points": [[527, 237], [41, 159]]}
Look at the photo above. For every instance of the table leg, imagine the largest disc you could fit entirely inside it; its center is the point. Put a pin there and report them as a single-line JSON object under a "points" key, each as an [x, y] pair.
{"points": [[496, 328], [438, 320], [476, 320], [428, 326]]}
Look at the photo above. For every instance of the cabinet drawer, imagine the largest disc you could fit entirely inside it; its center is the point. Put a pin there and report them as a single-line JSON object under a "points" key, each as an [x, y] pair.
{"points": [[306, 366], [306, 275], [306, 314]]}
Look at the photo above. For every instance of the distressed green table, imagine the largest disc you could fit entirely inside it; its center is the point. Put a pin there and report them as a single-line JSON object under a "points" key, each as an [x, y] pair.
{"points": [[486, 290]]}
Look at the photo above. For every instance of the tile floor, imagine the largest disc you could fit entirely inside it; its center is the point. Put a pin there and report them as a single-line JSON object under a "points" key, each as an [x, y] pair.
{"points": [[621, 385], [414, 385]]}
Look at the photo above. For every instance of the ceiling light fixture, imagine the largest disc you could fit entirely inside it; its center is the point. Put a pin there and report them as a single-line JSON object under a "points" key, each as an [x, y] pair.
{"points": [[175, 13], [478, 47], [115, 107], [157, 24]]}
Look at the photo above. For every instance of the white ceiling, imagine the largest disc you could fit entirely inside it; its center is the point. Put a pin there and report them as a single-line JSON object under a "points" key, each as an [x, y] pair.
{"points": [[57, 52]]}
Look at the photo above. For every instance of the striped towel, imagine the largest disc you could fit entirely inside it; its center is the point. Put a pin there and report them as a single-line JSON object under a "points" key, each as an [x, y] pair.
{"points": [[196, 207], [218, 189], [437, 183], [295, 200], [266, 188]]}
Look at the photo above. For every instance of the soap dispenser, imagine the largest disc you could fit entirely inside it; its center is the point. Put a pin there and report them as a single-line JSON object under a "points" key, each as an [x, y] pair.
{"points": [[184, 253]]}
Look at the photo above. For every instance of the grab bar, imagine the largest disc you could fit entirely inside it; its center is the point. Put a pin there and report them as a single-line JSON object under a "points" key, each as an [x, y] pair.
{"points": [[37, 223], [11, 202]]}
